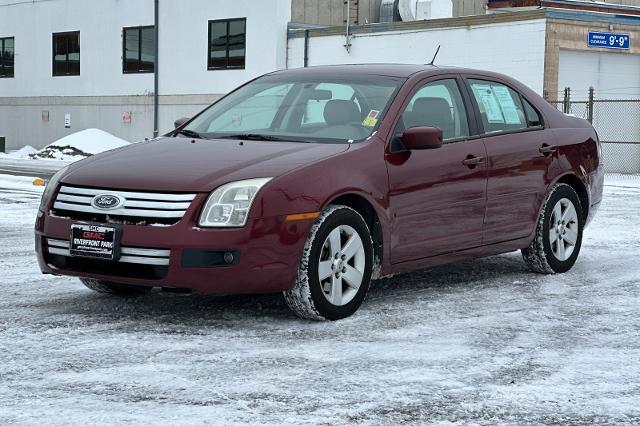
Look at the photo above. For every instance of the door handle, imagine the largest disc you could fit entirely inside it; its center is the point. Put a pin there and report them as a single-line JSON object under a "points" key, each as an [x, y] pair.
{"points": [[547, 149], [472, 161]]}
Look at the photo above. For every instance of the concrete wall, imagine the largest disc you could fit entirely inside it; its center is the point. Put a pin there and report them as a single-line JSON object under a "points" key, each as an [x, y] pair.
{"points": [[473, 42], [99, 96]]}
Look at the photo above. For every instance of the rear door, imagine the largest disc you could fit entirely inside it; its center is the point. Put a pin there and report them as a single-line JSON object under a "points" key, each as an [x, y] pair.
{"points": [[520, 153], [437, 196]]}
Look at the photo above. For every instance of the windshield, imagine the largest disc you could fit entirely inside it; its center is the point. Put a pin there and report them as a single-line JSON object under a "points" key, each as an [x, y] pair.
{"points": [[328, 110]]}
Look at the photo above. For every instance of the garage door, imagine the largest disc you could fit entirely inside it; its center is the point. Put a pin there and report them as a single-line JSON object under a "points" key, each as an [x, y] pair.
{"points": [[614, 76]]}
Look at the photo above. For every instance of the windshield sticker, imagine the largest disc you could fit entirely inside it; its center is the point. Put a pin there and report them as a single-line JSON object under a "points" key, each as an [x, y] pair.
{"points": [[508, 106], [491, 108], [371, 119]]}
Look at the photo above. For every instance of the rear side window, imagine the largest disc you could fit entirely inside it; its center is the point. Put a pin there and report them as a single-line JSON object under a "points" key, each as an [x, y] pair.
{"points": [[500, 107], [437, 104]]}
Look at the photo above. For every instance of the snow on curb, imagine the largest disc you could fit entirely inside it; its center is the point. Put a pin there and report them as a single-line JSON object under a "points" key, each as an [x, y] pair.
{"points": [[19, 183]]}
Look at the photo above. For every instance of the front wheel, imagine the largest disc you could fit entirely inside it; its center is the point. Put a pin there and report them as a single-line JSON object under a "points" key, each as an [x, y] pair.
{"points": [[558, 238], [335, 269]]}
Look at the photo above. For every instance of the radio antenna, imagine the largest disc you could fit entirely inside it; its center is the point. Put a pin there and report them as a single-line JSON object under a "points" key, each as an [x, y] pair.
{"points": [[434, 56]]}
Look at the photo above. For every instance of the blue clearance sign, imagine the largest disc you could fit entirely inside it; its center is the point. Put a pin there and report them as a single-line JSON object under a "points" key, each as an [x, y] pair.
{"points": [[608, 40]]}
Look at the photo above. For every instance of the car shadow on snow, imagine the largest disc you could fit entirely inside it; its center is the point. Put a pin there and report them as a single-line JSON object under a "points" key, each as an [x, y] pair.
{"points": [[195, 309]]}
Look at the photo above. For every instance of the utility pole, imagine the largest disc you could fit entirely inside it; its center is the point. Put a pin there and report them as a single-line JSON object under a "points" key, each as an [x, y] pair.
{"points": [[155, 68]]}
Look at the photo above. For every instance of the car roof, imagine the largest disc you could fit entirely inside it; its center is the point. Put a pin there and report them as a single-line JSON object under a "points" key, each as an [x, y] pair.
{"points": [[390, 70]]}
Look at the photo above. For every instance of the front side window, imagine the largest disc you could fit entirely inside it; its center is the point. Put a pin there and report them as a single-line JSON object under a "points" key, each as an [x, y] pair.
{"points": [[437, 104], [500, 107], [325, 110], [139, 54], [7, 46], [227, 44], [66, 53]]}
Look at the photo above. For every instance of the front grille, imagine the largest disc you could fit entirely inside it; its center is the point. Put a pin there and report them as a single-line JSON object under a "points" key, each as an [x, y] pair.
{"points": [[134, 262], [137, 208], [145, 256]]}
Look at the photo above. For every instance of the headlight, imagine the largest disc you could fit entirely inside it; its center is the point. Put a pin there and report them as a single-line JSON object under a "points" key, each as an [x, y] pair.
{"points": [[229, 205], [51, 187]]}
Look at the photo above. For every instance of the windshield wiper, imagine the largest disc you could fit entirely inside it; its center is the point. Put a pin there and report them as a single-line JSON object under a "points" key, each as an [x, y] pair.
{"points": [[190, 133], [255, 137]]}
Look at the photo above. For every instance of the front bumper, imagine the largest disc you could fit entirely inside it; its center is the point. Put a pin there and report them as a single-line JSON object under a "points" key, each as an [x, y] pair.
{"points": [[267, 252]]}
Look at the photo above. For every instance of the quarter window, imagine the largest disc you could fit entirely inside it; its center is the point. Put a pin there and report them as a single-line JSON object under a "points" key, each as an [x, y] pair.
{"points": [[500, 107], [138, 54], [7, 57], [227, 44], [437, 104], [66, 53], [533, 116]]}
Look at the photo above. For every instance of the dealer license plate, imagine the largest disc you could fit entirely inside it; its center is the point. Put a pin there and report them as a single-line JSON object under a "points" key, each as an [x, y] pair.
{"points": [[95, 241]]}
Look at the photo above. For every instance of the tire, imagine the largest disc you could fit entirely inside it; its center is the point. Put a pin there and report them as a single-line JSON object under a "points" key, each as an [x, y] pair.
{"points": [[115, 289], [326, 287], [558, 236]]}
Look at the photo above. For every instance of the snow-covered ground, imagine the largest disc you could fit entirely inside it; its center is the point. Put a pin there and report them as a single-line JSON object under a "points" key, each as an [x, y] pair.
{"points": [[479, 342]]}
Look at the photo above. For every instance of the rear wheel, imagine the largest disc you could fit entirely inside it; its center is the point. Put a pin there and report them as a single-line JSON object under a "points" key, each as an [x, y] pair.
{"points": [[114, 288], [335, 269], [558, 238]]}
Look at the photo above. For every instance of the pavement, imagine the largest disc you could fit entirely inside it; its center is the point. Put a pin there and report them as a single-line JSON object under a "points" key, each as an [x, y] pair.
{"points": [[478, 342], [35, 168]]}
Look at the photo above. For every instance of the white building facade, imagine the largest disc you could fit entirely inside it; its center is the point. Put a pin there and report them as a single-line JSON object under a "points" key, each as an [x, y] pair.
{"points": [[34, 102]]}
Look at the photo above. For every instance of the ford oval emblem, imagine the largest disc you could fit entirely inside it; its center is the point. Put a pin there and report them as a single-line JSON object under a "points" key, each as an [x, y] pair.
{"points": [[106, 201]]}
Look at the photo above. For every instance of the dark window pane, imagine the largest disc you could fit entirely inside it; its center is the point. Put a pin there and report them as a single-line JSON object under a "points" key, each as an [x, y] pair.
{"points": [[6, 57], [66, 54], [131, 44], [139, 49], [147, 52], [227, 44]]}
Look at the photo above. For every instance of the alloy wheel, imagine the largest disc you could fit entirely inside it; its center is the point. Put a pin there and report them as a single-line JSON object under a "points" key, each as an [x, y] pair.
{"points": [[563, 229], [342, 265]]}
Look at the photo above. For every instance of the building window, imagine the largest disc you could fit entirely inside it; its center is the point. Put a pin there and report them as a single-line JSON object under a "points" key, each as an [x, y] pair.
{"points": [[6, 57], [227, 44], [66, 53], [139, 53]]}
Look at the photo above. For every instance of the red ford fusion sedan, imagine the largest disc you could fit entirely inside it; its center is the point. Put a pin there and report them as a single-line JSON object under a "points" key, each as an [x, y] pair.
{"points": [[312, 182]]}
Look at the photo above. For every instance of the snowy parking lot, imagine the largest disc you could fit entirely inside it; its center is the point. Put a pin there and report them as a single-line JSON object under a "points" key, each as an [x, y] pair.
{"points": [[483, 342]]}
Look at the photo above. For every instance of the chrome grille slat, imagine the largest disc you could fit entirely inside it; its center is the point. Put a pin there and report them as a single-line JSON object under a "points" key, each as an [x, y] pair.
{"points": [[159, 257], [126, 194], [136, 204], [119, 211]]}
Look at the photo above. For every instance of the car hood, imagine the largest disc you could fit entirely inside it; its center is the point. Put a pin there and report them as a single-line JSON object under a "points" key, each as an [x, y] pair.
{"points": [[186, 165]]}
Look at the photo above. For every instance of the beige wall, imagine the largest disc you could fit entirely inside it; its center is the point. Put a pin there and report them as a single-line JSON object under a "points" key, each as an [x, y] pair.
{"points": [[333, 12], [469, 7], [572, 35]]}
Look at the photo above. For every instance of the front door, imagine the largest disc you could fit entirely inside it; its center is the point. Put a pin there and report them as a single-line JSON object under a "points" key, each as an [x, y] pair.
{"points": [[437, 196]]}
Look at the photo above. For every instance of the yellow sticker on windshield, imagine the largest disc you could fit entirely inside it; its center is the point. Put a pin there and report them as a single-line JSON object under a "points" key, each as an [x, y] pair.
{"points": [[371, 119]]}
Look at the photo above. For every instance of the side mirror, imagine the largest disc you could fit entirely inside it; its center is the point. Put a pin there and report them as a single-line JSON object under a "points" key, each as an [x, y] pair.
{"points": [[180, 121], [422, 138]]}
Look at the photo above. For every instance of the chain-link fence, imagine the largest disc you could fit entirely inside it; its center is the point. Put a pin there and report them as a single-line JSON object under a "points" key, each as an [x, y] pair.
{"points": [[617, 122]]}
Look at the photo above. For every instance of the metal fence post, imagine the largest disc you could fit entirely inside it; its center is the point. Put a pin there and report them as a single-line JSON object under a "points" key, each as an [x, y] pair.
{"points": [[566, 103], [590, 106], [2, 144]]}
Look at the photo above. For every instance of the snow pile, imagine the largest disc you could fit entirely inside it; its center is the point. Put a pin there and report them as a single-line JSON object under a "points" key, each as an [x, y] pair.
{"points": [[79, 145], [21, 154]]}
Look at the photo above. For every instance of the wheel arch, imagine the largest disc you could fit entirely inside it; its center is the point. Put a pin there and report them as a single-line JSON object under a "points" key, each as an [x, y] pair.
{"points": [[365, 208], [581, 189]]}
